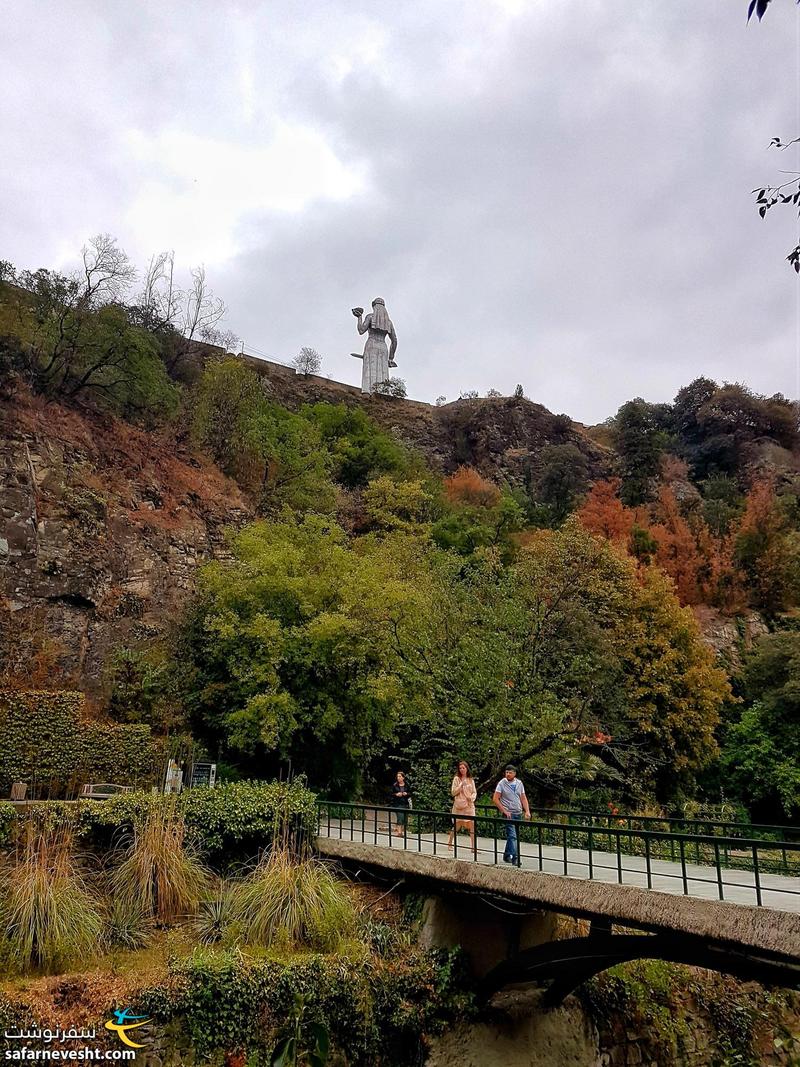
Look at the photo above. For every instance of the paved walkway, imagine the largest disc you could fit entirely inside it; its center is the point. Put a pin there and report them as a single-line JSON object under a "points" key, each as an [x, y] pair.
{"points": [[778, 892]]}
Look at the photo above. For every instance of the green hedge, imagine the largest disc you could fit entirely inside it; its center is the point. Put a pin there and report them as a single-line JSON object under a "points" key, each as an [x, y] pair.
{"points": [[230, 823], [7, 815], [46, 742], [376, 1011]]}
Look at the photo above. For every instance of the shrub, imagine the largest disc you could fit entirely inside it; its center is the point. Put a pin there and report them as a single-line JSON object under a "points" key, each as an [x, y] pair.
{"points": [[160, 874], [51, 917], [228, 824], [8, 814], [359, 448], [376, 1015], [234, 821], [128, 925], [216, 916], [391, 387], [291, 902]]}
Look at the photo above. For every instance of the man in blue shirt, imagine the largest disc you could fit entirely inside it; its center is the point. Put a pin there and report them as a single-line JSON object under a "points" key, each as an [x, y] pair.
{"points": [[510, 800]]}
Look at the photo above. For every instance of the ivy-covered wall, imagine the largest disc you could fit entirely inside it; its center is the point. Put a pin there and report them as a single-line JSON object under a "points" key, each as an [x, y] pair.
{"points": [[46, 741], [378, 1012]]}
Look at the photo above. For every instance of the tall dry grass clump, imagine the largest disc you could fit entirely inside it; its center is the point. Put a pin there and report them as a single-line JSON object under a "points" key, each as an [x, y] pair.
{"points": [[161, 874], [51, 916], [289, 901]]}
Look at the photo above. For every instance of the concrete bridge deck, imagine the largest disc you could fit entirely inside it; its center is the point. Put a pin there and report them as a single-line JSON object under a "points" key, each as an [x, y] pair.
{"points": [[739, 887], [737, 921]]}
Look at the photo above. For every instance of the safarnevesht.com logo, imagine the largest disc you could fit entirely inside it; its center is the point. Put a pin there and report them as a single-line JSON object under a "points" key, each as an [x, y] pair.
{"points": [[61, 1045]]}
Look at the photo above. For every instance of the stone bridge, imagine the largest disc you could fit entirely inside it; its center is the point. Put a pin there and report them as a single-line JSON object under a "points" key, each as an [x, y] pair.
{"points": [[505, 916]]}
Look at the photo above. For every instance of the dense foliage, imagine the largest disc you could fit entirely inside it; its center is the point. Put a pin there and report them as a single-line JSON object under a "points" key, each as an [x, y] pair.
{"points": [[80, 341], [761, 749], [375, 1014], [334, 652], [228, 824]]}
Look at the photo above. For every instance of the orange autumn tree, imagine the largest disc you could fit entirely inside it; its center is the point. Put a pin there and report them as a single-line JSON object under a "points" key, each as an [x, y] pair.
{"points": [[767, 551], [676, 553], [604, 514], [467, 486], [700, 563]]}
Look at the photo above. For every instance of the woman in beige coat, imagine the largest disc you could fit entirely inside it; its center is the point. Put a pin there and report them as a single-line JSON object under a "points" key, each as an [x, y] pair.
{"points": [[464, 796]]}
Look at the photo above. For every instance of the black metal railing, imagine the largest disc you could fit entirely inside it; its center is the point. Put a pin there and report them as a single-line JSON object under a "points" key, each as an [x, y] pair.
{"points": [[739, 869], [685, 824]]}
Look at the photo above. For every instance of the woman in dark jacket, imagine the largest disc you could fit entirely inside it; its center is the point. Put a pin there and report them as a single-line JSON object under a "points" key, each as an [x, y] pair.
{"points": [[401, 799]]}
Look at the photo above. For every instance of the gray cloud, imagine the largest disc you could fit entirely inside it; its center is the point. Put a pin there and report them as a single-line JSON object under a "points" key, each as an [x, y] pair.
{"points": [[557, 195]]}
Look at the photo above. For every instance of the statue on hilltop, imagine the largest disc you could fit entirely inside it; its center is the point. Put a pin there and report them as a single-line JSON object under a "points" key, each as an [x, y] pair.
{"points": [[376, 356]]}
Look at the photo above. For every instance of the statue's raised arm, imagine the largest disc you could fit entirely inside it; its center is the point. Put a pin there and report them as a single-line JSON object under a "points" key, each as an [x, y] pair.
{"points": [[377, 357]]}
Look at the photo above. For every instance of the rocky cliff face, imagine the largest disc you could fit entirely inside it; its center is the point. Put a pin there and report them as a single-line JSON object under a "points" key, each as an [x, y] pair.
{"points": [[102, 527]]}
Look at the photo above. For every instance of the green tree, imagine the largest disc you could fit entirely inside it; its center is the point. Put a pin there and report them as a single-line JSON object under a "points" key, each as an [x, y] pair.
{"points": [[398, 505], [288, 648], [273, 452], [761, 747], [562, 661], [562, 481], [640, 435], [359, 449]]}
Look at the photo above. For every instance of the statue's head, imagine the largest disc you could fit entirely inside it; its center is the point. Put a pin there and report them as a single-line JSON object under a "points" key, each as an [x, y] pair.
{"points": [[379, 300]]}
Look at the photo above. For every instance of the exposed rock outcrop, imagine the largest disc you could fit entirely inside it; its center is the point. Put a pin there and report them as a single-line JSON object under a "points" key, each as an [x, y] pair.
{"points": [[102, 527]]}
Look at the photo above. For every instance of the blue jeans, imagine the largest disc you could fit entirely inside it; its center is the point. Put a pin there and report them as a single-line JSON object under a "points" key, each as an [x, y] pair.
{"points": [[510, 853]]}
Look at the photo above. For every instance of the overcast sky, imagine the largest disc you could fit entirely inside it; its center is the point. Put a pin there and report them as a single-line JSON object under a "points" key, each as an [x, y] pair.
{"points": [[556, 194]]}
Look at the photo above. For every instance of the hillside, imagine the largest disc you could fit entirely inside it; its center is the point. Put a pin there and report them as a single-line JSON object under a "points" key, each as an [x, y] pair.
{"points": [[102, 526], [501, 437], [486, 563]]}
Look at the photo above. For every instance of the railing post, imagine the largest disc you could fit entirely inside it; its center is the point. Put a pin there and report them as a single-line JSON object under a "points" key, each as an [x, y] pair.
{"points": [[591, 871], [375, 826], [494, 835], [619, 857], [566, 866], [757, 874], [719, 871], [539, 834], [647, 862], [683, 867]]}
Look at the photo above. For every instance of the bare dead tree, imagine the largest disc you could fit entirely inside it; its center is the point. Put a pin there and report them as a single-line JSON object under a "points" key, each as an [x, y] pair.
{"points": [[107, 272], [201, 309], [159, 302], [307, 361], [227, 340]]}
